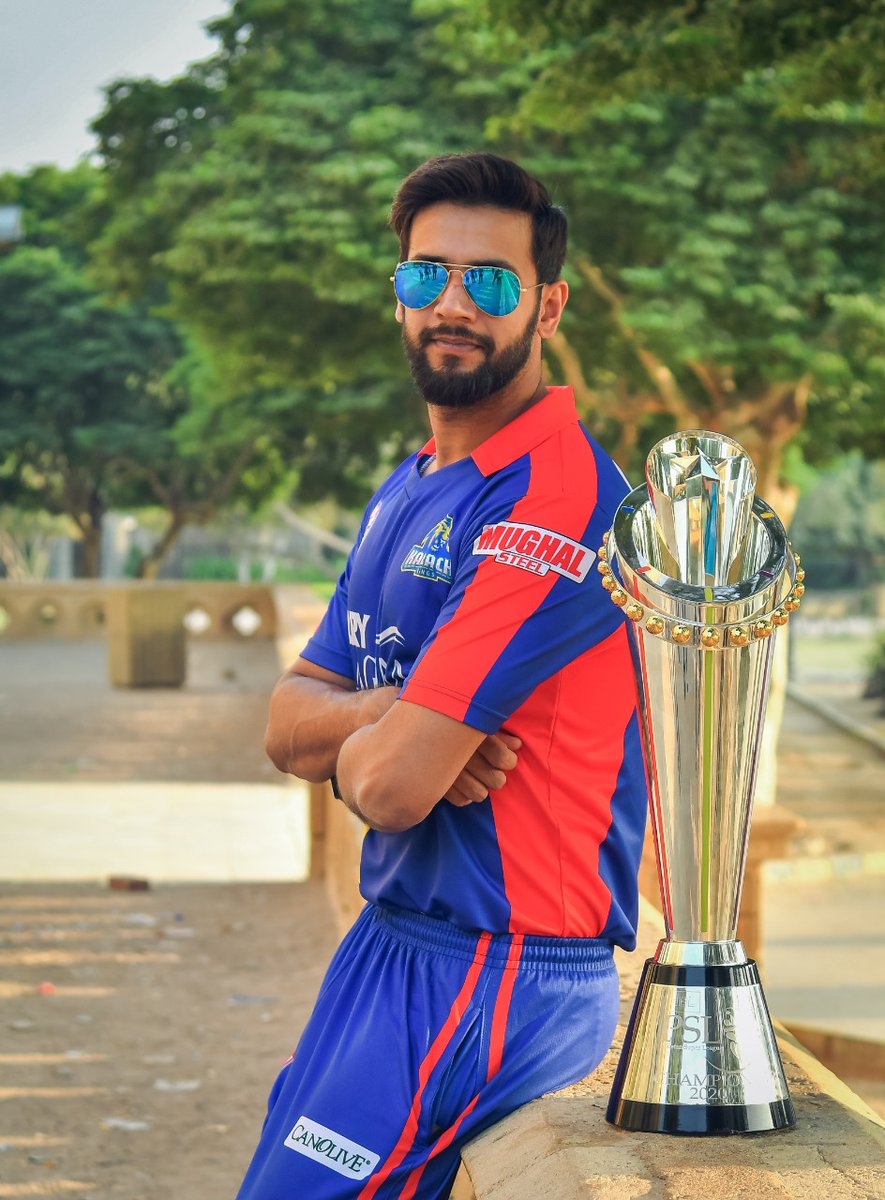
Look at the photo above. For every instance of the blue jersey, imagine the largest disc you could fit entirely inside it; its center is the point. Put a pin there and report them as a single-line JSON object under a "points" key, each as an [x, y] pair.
{"points": [[474, 590]]}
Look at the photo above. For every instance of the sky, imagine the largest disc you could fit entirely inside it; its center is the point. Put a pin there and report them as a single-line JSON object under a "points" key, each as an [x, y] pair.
{"points": [[55, 55]]}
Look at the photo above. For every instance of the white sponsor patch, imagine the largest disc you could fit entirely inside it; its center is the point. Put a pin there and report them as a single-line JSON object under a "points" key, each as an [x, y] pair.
{"points": [[534, 549], [331, 1149]]}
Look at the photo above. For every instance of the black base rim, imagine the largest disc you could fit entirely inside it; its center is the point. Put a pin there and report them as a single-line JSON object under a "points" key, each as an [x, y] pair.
{"points": [[698, 1120]]}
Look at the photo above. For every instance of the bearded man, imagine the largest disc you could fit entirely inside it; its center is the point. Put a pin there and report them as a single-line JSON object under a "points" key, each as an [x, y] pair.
{"points": [[471, 696]]}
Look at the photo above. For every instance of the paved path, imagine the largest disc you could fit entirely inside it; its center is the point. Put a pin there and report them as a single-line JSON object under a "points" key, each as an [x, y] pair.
{"points": [[171, 785], [61, 719], [834, 782], [824, 909]]}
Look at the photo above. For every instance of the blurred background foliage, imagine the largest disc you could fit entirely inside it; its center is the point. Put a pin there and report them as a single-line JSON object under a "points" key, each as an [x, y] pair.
{"points": [[202, 317]]}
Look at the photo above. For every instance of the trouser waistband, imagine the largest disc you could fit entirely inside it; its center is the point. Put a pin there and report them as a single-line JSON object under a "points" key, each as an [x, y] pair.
{"points": [[417, 929]]}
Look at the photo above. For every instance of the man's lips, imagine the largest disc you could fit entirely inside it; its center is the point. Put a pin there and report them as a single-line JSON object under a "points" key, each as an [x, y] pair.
{"points": [[454, 343]]}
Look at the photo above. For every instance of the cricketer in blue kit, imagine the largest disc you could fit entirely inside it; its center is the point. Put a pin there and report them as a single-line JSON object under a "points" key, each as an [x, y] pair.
{"points": [[471, 691]]}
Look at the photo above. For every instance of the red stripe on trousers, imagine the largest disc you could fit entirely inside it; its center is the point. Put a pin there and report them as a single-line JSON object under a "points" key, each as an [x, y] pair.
{"points": [[496, 1055], [431, 1059], [561, 496]]}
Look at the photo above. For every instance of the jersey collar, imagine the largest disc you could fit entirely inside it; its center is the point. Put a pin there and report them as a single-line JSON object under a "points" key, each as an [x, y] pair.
{"points": [[554, 412]]}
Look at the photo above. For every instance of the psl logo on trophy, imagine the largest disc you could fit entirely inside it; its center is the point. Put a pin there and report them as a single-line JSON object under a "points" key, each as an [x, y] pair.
{"points": [[703, 569]]}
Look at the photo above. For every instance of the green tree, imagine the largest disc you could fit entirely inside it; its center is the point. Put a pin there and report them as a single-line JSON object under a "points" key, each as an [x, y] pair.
{"points": [[77, 385], [725, 276], [726, 246], [102, 406], [256, 189], [723, 189], [599, 50], [107, 404], [55, 204]]}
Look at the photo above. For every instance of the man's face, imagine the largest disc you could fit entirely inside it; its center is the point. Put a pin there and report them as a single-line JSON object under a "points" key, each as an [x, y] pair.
{"points": [[458, 354]]}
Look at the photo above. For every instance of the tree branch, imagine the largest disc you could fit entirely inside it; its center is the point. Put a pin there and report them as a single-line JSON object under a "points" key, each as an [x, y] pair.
{"points": [[590, 402], [658, 372]]}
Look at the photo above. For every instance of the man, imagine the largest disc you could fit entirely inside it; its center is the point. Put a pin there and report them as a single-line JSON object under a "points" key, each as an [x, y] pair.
{"points": [[470, 690]]}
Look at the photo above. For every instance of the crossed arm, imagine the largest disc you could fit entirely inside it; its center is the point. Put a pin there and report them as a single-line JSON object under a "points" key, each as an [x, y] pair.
{"points": [[393, 760]]}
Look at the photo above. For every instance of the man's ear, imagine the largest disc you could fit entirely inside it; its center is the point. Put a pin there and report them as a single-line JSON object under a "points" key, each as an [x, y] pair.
{"points": [[553, 301], [400, 312]]}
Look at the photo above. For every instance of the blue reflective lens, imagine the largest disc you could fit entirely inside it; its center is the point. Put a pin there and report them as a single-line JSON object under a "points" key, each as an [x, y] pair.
{"points": [[418, 284], [495, 290]]}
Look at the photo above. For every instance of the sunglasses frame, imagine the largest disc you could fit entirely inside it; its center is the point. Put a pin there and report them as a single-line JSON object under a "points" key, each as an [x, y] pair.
{"points": [[461, 268]]}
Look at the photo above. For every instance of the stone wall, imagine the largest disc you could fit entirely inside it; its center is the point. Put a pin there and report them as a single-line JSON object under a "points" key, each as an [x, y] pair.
{"points": [[78, 608]]}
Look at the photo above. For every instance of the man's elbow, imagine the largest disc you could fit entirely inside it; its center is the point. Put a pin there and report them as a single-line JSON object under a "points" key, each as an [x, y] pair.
{"points": [[391, 806], [288, 757]]}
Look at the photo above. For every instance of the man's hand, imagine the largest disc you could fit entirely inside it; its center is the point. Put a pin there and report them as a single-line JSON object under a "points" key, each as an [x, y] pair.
{"points": [[486, 770]]}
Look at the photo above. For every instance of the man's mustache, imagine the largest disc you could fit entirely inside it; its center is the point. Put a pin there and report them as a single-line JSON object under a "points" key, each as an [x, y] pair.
{"points": [[426, 336]]}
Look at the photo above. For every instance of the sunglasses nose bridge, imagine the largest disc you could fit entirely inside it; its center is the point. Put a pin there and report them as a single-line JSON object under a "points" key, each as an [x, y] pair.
{"points": [[457, 295]]}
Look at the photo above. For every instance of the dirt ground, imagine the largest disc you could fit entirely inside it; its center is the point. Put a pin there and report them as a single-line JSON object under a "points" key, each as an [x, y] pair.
{"points": [[142, 1031]]}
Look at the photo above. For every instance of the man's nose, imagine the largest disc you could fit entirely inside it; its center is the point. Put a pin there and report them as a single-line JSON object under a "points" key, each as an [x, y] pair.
{"points": [[454, 303]]}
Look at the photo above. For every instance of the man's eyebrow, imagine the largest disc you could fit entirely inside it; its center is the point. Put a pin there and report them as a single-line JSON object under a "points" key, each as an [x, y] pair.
{"points": [[488, 262]]}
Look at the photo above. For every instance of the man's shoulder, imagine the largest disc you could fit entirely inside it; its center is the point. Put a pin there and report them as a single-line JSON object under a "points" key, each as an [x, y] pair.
{"points": [[568, 460], [612, 484]]}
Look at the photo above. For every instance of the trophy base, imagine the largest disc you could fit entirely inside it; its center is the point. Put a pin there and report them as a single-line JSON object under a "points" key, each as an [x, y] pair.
{"points": [[700, 1057], [693, 1120]]}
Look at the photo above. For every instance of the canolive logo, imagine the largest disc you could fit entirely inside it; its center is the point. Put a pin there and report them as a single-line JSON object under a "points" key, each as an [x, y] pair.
{"points": [[331, 1149]]}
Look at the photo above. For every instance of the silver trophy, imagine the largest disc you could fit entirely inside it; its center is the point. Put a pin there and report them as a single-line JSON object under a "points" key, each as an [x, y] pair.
{"points": [[703, 569]]}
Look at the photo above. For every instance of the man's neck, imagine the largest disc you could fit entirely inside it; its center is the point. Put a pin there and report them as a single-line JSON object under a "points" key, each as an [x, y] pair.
{"points": [[458, 431]]}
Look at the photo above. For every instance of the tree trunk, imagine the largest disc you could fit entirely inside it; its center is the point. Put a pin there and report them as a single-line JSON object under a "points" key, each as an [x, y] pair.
{"points": [[150, 565], [91, 551]]}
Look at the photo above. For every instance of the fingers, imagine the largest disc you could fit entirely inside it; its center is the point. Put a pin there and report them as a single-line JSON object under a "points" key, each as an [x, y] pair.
{"points": [[499, 750], [486, 770], [469, 789]]}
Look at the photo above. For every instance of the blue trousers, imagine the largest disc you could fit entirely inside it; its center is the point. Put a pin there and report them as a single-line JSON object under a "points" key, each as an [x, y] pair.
{"points": [[423, 1035]]}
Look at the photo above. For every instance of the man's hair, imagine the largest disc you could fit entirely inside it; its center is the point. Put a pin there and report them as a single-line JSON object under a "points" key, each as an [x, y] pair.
{"points": [[476, 180]]}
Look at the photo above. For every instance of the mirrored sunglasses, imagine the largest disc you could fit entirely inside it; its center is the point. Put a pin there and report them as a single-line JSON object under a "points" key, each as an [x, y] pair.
{"points": [[495, 290]]}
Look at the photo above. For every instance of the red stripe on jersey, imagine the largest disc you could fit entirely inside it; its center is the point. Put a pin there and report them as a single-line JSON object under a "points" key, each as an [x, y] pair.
{"points": [[553, 413], [552, 881], [407, 1138], [496, 1055], [500, 598]]}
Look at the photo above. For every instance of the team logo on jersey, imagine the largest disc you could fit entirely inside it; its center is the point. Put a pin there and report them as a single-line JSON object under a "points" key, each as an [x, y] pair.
{"points": [[331, 1149], [432, 558], [534, 549]]}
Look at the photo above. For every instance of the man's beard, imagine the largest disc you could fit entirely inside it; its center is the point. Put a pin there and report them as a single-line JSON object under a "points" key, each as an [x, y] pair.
{"points": [[449, 386]]}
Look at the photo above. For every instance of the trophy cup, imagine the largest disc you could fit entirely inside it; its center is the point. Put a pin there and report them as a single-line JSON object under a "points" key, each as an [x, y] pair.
{"points": [[704, 571]]}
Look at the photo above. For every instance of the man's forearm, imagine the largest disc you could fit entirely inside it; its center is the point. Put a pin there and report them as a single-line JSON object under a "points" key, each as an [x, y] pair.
{"points": [[310, 719]]}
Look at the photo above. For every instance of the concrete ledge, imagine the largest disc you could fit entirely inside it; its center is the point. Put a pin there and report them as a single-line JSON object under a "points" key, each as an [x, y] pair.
{"points": [[77, 608], [831, 714], [561, 1146]]}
